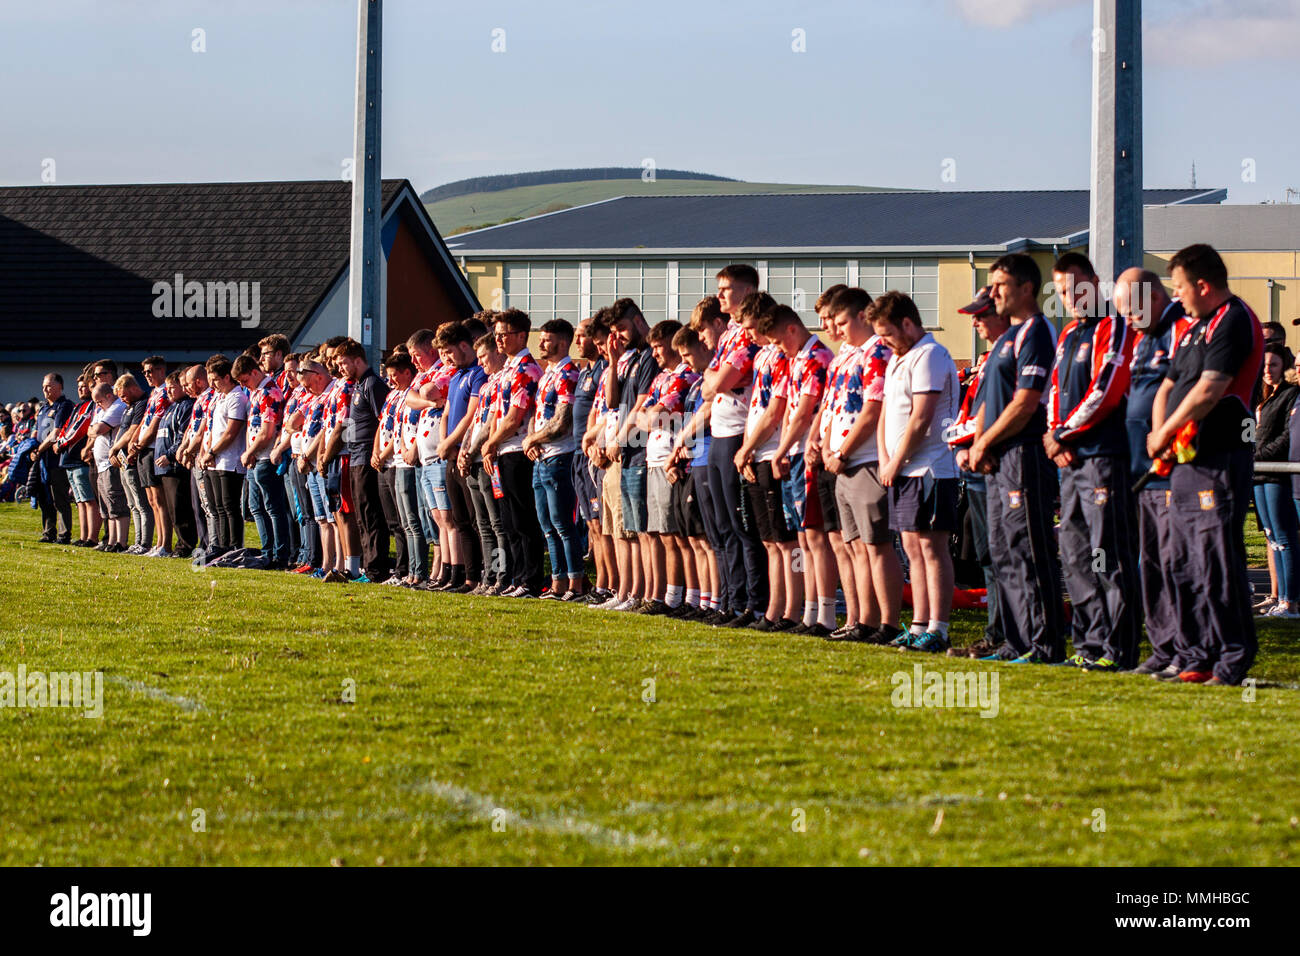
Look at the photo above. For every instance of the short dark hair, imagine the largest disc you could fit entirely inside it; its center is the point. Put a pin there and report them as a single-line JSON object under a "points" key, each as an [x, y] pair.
{"points": [[453, 333], [218, 366], [516, 320], [173, 378], [893, 307], [334, 341], [152, 361], [755, 304], [1200, 262], [400, 361], [56, 376], [243, 366], [1075, 260], [421, 339], [828, 296], [562, 328], [107, 364], [850, 299], [624, 309], [776, 318], [275, 342], [664, 331], [352, 349], [485, 341], [1021, 267], [1277, 327], [684, 338], [739, 272], [475, 325]]}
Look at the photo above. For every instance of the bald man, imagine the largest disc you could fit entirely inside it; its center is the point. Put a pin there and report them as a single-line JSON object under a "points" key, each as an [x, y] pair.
{"points": [[1158, 323]]}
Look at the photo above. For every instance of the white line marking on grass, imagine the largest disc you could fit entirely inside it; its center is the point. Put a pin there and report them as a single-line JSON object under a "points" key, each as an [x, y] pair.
{"points": [[184, 703], [484, 806]]}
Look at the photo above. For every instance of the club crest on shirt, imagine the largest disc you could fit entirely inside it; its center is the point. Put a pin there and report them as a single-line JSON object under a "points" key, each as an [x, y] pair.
{"points": [[1006, 349], [1013, 499], [1100, 495], [1207, 499], [1081, 353]]}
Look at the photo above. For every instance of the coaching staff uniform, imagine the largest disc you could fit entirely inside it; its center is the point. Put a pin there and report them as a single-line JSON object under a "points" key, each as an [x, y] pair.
{"points": [[1157, 324], [1215, 367], [53, 491], [1022, 483], [1088, 440]]}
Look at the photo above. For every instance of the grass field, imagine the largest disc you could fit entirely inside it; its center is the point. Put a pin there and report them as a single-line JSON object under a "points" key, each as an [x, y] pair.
{"points": [[491, 731], [483, 209]]}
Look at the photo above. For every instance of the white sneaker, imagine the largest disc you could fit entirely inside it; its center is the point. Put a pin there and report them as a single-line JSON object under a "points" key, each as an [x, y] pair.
{"points": [[1266, 609], [626, 605], [1283, 611], [155, 553]]}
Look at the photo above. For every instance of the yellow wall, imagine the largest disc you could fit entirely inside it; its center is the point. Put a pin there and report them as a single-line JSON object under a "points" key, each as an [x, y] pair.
{"points": [[1248, 274], [487, 281]]}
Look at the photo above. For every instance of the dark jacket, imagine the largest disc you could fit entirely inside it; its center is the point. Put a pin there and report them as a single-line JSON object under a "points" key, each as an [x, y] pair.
{"points": [[1272, 433]]}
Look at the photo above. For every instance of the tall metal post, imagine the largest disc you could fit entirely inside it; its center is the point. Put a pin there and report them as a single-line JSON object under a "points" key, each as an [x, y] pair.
{"points": [[365, 321], [1115, 226]]}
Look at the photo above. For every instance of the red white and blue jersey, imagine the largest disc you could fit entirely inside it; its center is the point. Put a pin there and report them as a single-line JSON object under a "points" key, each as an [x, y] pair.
{"points": [[340, 403], [265, 411], [858, 380], [668, 391], [770, 369], [316, 413], [159, 402], [517, 388], [1085, 404], [809, 370], [282, 381], [390, 422], [556, 387], [736, 349]]}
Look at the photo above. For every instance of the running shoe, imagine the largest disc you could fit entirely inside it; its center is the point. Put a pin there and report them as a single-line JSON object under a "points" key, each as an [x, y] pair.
{"points": [[929, 643]]}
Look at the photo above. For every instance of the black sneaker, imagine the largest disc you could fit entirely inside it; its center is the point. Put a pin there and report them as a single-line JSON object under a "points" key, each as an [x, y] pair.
{"points": [[656, 608], [785, 624], [714, 617], [63, 539], [818, 630], [1152, 665], [45, 539], [763, 624], [680, 612], [744, 619]]}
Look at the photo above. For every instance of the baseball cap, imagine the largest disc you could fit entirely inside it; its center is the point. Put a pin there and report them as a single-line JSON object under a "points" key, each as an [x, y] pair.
{"points": [[983, 303]]}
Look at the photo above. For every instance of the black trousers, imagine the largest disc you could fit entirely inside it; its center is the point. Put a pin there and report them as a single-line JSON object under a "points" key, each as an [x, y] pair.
{"points": [[977, 500], [388, 501], [199, 491], [228, 502], [1207, 565], [1159, 593], [1022, 545], [462, 512], [487, 518], [54, 495], [1098, 559], [176, 498], [370, 518], [742, 553], [519, 521]]}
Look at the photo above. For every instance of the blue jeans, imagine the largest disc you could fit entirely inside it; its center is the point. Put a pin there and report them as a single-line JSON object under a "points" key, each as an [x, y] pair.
{"points": [[1277, 513], [428, 501], [406, 491], [556, 512], [270, 509]]}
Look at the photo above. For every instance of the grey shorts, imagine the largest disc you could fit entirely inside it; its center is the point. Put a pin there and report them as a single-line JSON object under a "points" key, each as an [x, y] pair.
{"points": [[659, 502], [83, 489], [863, 504], [112, 493]]}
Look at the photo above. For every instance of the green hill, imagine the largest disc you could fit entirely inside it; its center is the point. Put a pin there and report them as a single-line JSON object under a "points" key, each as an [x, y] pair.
{"points": [[474, 211]]}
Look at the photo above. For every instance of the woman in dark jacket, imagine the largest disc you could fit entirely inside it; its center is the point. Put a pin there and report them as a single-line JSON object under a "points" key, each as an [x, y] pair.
{"points": [[175, 477], [1272, 492]]}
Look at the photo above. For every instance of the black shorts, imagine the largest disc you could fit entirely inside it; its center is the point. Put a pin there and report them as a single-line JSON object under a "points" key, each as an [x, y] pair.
{"points": [[586, 488], [144, 469], [767, 505], [686, 506], [827, 515], [923, 504]]}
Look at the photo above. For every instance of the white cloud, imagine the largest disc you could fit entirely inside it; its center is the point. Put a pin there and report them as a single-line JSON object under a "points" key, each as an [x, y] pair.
{"points": [[1007, 13], [1215, 32]]}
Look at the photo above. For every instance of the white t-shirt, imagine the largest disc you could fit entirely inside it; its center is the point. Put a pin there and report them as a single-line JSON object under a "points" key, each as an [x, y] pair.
{"points": [[112, 417], [233, 406], [926, 367]]}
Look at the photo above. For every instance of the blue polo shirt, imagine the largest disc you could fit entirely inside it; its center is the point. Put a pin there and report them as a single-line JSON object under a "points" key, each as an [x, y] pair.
{"points": [[464, 385], [1021, 358], [585, 394], [1147, 370]]}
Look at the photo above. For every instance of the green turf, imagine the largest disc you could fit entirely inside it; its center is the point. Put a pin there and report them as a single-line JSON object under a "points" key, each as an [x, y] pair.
{"points": [[477, 210], [473, 711]]}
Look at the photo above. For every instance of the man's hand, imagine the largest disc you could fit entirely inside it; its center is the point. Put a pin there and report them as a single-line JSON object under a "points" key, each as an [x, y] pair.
{"points": [[812, 454], [781, 466], [303, 464], [276, 456], [888, 472], [834, 463], [979, 453], [445, 448], [162, 461], [963, 459], [374, 462], [408, 454], [1157, 443], [741, 458]]}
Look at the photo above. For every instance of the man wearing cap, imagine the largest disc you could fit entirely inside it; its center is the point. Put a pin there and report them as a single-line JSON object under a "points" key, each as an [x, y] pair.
{"points": [[1214, 370], [959, 436], [1022, 486], [1088, 441]]}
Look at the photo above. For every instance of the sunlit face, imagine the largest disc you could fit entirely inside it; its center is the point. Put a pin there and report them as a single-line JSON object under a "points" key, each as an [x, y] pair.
{"points": [[1010, 296], [1274, 368], [892, 334], [174, 391], [732, 293], [1079, 292], [155, 375], [1195, 296], [664, 354]]}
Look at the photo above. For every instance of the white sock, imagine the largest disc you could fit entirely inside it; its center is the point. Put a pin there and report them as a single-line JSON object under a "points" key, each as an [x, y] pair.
{"points": [[809, 613], [917, 629], [674, 596], [826, 612], [713, 604], [939, 627], [353, 564], [693, 597]]}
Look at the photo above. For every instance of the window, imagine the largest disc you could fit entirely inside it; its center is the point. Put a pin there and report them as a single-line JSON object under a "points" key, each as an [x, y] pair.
{"points": [[696, 279], [646, 283], [545, 290], [919, 278], [798, 283]]}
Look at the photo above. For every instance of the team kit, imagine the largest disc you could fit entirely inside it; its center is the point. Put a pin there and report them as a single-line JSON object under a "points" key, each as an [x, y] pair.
{"points": [[735, 471]]}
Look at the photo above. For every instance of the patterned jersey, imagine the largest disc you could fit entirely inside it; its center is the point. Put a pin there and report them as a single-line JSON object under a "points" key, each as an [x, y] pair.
{"points": [[265, 410], [517, 388], [807, 377], [316, 412], [159, 402], [736, 348], [556, 387], [340, 403], [771, 368], [487, 394], [669, 391], [859, 380], [390, 423]]}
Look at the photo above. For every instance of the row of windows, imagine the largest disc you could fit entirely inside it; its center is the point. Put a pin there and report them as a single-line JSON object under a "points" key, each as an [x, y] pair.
{"points": [[548, 290]]}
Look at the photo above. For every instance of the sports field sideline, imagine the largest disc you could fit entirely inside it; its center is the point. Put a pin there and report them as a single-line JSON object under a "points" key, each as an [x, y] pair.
{"points": [[500, 731]]}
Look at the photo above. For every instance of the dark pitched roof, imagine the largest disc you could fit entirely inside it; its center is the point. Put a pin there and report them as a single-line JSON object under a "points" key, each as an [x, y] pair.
{"points": [[78, 263], [841, 221]]}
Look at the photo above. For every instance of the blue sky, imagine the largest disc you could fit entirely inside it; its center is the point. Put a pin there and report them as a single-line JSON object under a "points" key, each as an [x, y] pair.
{"points": [[883, 95]]}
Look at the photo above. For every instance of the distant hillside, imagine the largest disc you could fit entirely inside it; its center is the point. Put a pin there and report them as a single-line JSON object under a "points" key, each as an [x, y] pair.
{"points": [[549, 177], [476, 210]]}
